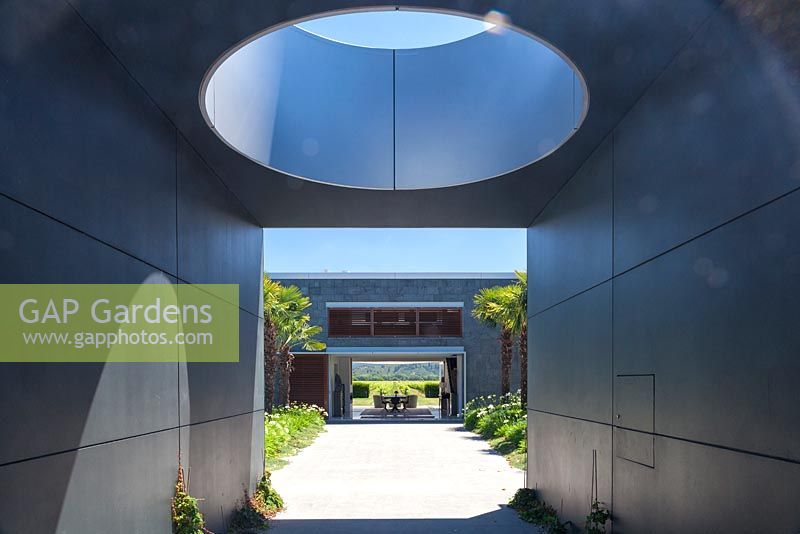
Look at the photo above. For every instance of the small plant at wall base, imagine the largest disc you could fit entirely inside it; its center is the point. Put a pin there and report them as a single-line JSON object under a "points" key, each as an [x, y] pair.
{"points": [[186, 515], [533, 510], [253, 513], [596, 520], [598, 514]]}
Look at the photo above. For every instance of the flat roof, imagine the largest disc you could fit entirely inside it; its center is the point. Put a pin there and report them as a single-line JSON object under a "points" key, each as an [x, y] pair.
{"points": [[392, 276]]}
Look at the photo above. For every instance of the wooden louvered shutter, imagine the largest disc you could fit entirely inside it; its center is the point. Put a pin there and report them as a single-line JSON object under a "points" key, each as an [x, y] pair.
{"points": [[345, 322], [309, 379]]}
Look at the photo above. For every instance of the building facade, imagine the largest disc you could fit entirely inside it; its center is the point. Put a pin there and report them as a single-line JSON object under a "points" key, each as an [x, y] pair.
{"points": [[405, 317]]}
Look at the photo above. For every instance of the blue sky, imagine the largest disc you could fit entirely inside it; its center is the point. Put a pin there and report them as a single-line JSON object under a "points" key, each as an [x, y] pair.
{"points": [[394, 250]]}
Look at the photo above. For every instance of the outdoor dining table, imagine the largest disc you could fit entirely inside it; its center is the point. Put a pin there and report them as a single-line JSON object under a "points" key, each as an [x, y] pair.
{"points": [[396, 401]]}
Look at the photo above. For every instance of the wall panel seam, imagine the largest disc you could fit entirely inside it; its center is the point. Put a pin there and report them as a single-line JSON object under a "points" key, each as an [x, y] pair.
{"points": [[638, 99], [613, 380], [177, 270], [125, 438], [86, 234], [110, 245], [166, 116], [671, 249], [677, 438], [572, 176]]}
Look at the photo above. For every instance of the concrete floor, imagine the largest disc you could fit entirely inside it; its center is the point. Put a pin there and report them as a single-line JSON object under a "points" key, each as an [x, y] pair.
{"points": [[398, 478]]}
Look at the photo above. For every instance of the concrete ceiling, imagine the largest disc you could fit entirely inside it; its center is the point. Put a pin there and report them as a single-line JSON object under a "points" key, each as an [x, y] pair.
{"points": [[621, 46]]}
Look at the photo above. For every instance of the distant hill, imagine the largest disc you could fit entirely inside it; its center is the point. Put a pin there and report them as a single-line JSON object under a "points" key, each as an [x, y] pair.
{"points": [[396, 371]]}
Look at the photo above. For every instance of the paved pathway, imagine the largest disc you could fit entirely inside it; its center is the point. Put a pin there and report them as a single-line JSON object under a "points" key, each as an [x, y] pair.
{"points": [[398, 478]]}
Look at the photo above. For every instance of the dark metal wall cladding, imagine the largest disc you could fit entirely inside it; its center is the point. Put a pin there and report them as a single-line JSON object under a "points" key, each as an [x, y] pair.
{"points": [[561, 453], [722, 138], [570, 373], [704, 367], [721, 336], [97, 187], [65, 106], [570, 245], [696, 488]]}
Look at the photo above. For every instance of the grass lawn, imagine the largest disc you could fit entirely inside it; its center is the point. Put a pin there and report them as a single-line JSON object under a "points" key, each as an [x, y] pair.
{"points": [[413, 387]]}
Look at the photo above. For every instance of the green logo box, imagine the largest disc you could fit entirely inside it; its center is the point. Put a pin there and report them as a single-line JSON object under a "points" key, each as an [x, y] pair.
{"points": [[119, 322]]}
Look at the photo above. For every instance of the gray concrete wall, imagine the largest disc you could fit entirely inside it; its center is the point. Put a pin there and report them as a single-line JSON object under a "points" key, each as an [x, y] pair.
{"points": [[664, 291], [98, 186], [480, 342]]}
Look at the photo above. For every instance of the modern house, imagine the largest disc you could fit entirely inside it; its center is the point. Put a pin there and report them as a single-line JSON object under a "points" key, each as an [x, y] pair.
{"points": [[397, 317], [650, 148]]}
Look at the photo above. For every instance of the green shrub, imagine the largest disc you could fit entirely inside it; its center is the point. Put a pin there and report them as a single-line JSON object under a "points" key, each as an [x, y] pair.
{"points": [[538, 512], [514, 433], [503, 421], [186, 515], [494, 400], [471, 420], [495, 419], [489, 425], [290, 428], [360, 390], [431, 389]]}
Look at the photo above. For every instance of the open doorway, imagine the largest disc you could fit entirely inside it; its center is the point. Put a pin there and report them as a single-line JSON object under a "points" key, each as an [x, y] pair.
{"points": [[397, 385], [391, 389]]}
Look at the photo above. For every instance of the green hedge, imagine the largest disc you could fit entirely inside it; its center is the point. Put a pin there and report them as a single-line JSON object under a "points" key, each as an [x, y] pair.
{"points": [[360, 390], [431, 389]]}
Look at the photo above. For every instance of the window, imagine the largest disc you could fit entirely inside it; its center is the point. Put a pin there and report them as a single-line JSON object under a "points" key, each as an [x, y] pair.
{"points": [[400, 322]]}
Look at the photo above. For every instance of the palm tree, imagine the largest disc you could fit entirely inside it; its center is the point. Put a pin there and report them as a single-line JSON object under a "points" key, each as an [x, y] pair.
{"points": [[285, 327], [275, 309], [491, 308], [517, 321]]}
